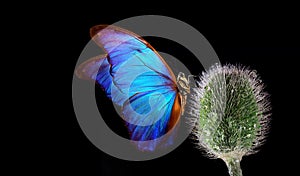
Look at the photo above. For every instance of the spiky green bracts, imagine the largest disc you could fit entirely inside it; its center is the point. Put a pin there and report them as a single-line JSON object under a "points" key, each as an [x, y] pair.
{"points": [[230, 112]]}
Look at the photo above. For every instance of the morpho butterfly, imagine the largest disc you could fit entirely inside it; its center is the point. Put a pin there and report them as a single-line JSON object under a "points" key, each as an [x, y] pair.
{"points": [[136, 78]]}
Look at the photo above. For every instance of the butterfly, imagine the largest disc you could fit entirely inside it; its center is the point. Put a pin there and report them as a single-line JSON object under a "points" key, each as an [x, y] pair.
{"points": [[135, 77]]}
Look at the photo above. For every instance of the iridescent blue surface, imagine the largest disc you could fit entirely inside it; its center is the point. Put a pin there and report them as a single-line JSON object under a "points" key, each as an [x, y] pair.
{"points": [[136, 78]]}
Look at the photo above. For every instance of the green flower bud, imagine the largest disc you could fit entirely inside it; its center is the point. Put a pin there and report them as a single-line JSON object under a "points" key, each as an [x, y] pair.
{"points": [[231, 112]]}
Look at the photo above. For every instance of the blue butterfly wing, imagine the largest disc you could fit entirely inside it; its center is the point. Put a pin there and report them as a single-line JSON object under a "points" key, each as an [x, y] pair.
{"points": [[136, 78]]}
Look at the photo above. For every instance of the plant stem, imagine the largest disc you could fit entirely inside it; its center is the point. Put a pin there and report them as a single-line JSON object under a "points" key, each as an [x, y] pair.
{"points": [[234, 167]]}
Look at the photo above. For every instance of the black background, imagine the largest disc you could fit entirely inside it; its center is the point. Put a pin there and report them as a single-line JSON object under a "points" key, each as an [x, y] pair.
{"points": [[265, 39]]}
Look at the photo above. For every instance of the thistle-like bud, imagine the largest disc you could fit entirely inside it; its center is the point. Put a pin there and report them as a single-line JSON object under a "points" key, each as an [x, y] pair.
{"points": [[231, 112]]}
